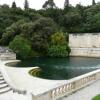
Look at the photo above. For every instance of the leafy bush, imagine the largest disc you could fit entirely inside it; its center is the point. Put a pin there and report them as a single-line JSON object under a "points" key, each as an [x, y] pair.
{"points": [[58, 46], [58, 39], [58, 51], [21, 47]]}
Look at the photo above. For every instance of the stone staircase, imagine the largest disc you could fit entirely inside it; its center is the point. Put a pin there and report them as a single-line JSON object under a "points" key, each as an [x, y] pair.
{"points": [[4, 87]]}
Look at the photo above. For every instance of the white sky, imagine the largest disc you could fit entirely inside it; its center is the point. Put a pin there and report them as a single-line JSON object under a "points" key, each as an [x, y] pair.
{"points": [[37, 4]]}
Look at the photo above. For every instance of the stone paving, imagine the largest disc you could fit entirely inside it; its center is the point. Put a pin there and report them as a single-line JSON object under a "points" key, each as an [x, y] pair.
{"points": [[14, 96]]}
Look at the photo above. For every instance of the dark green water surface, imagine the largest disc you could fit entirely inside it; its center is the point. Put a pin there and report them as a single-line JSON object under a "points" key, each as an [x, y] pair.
{"points": [[61, 68]]}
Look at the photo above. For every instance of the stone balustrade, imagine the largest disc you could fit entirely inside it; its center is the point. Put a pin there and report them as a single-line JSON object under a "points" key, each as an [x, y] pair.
{"points": [[70, 86], [75, 85]]}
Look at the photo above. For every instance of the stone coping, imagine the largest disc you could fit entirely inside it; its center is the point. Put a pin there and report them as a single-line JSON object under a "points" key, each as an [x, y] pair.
{"points": [[84, 33]]}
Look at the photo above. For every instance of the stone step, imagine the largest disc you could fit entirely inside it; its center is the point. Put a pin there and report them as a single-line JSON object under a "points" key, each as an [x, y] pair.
{"points": [[2, 82], [5, 90], [1, 75], [4, 86], [1, 78]]}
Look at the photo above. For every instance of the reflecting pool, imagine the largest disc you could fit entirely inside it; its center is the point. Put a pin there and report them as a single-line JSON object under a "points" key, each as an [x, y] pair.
{"points": [[60, 68]]}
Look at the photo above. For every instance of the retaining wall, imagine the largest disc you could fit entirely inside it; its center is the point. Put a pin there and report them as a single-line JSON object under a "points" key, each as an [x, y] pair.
{"points": [[85, 44]]}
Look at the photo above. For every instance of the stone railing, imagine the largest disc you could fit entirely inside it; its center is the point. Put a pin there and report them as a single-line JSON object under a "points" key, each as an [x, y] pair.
{"points": [[69, 86]]}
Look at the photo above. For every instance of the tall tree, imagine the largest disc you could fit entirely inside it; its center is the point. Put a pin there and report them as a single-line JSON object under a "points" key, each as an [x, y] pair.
{"points": [[93, 2], [66, 3], [14, 4], [26, 5], [49, 4]]}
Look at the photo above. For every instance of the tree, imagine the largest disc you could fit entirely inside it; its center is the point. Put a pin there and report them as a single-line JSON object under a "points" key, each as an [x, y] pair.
{"points": [[5, 6], [26, 5], [66, 3], [14, 4], [11, 32], [93, 2], [39, 33], [72, 19], [49, 4]]}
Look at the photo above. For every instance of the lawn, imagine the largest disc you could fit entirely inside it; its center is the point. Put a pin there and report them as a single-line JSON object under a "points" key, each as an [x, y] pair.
{"points": [[96, 97]]}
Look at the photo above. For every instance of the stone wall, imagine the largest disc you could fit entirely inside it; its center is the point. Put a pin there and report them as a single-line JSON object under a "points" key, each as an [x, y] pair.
{"points": [[85, 44], [85, 52], [7, 54]]}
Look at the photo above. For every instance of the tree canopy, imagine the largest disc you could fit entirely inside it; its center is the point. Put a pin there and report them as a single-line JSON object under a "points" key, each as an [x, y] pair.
{"points": [[49, 4], [14, 4], [41, 27]]}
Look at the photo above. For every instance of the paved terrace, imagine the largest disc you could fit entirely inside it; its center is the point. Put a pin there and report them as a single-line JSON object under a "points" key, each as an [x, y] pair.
{"points": [[23, 81]]}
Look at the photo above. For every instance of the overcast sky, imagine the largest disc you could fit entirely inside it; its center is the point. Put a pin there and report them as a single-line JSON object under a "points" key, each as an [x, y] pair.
{"points": [[37, 4]]}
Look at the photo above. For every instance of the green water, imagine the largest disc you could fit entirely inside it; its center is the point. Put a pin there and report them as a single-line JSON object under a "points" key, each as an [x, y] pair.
{"points": [[61, 68]]}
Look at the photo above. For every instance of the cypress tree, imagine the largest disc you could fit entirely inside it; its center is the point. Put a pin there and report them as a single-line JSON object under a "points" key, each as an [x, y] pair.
{"points": [[26, 5], [93, 2], [14, 4], [66, 3]]}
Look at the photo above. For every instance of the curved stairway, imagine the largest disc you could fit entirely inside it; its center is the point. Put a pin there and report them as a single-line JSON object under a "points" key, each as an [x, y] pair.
{"points": [[4, 87]]}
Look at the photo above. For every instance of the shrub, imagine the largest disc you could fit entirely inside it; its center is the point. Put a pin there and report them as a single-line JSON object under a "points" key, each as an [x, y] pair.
{"points": [[58, 46], [58, 51], [21, 47], [58, 39]]}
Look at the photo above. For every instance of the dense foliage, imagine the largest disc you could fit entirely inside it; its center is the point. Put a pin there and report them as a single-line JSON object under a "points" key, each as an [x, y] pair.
{"points": [[58, 46], [21, 47], [45, 28]]}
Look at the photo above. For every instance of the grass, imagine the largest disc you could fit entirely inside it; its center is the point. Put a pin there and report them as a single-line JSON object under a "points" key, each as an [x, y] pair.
{"points": [[96, 97]]}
